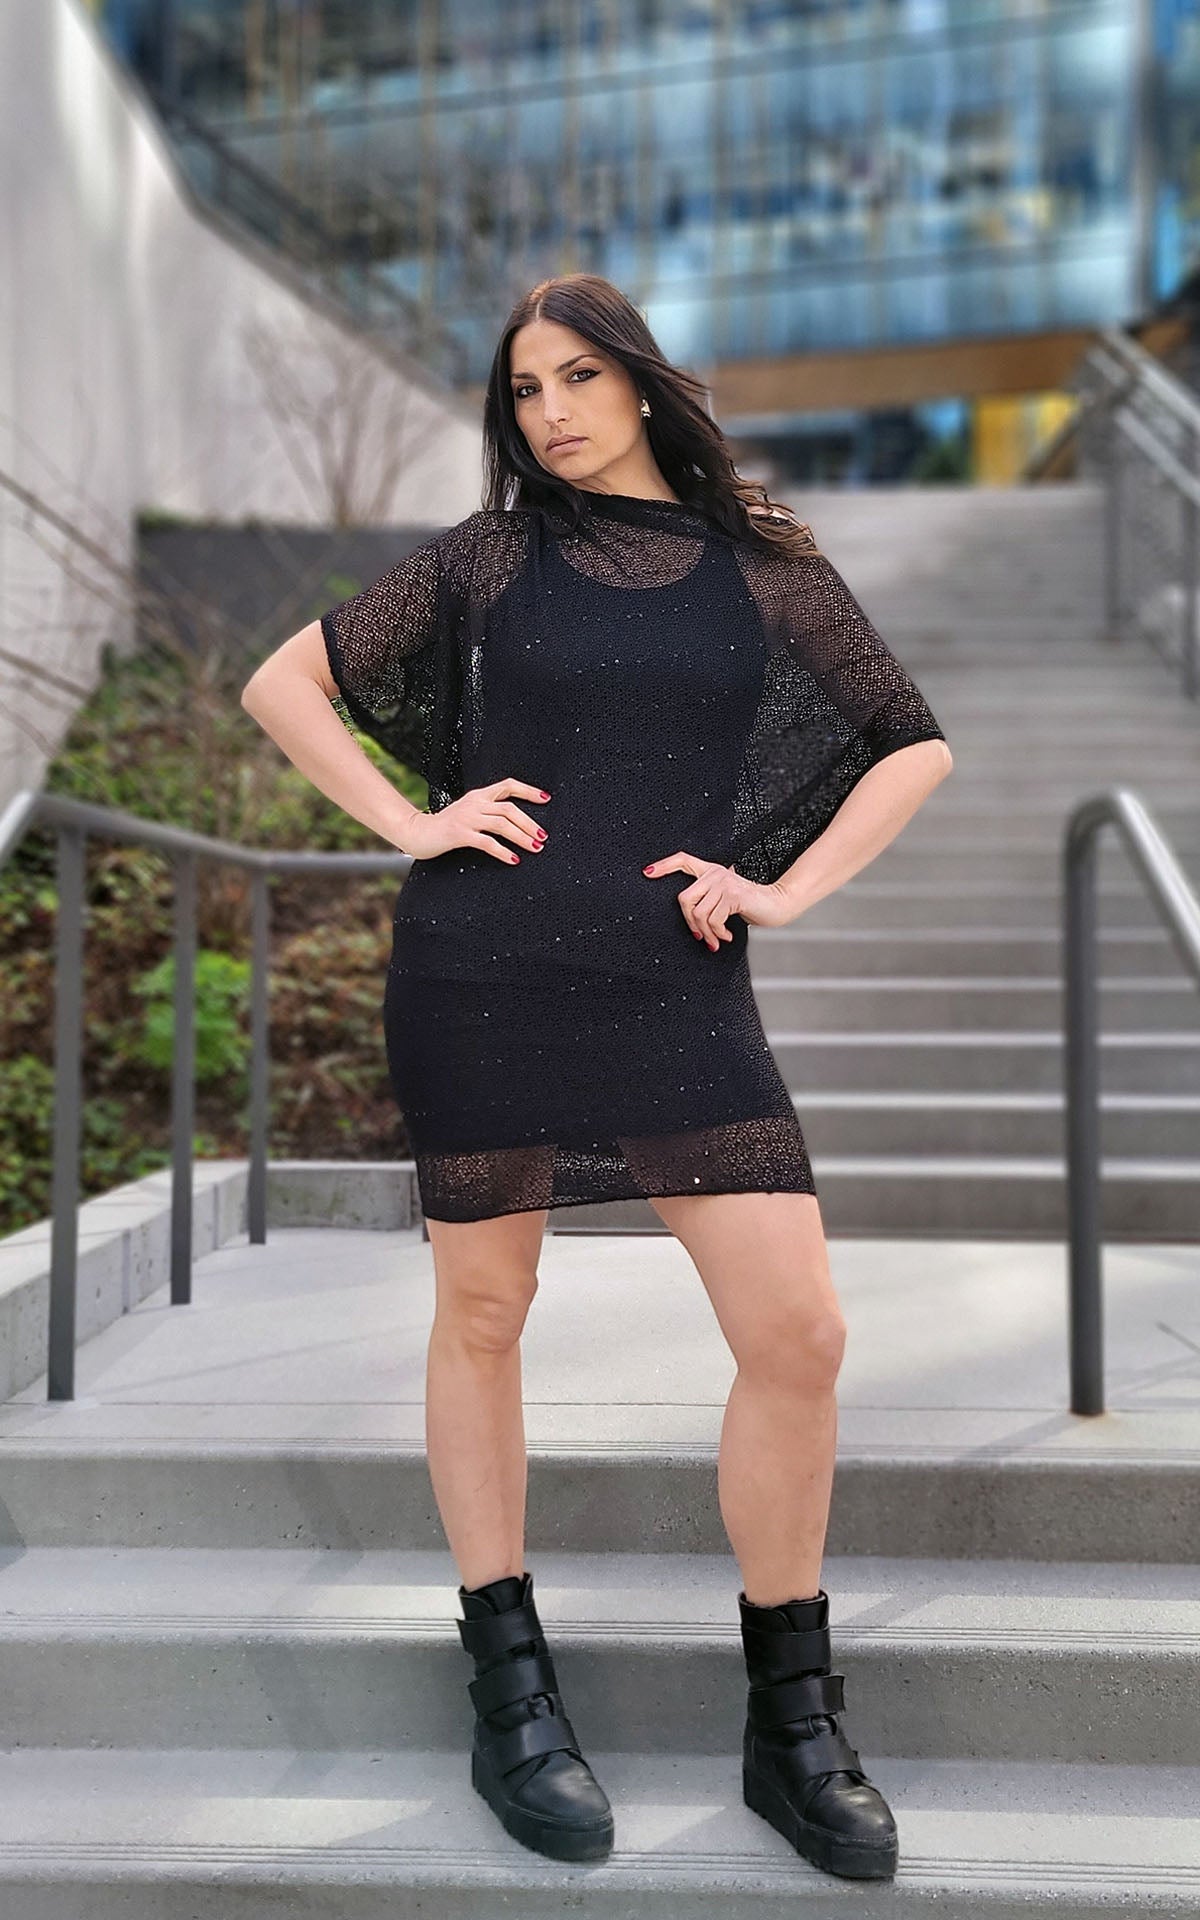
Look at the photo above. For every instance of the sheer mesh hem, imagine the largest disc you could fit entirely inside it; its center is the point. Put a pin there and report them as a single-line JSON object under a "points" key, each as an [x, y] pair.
{"points": [[765, 1155]]}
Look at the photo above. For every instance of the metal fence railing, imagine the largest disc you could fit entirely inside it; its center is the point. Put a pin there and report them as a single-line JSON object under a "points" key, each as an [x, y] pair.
{"points": [[1138, 432], [1179, 907], [74, 820]]}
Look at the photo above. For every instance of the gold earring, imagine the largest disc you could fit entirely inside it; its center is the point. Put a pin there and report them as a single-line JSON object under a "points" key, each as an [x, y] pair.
{"points": [[645, 409]]}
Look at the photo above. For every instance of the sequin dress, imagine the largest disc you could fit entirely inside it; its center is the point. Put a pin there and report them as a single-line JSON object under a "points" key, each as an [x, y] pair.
{"points": [[555, 1034]]}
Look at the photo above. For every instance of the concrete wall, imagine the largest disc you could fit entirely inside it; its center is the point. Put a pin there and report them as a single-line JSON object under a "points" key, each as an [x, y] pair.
{"points": [[134, 329]]}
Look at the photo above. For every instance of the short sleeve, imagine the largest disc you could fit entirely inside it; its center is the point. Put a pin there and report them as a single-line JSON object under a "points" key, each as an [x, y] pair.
{"points": [[394, 650], [835, 701], [369, 636], [837, 643]]}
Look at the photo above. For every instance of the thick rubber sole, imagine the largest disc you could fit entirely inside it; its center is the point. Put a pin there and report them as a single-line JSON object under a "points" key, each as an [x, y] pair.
{"points": [[855, 1859], [558, 1838]]}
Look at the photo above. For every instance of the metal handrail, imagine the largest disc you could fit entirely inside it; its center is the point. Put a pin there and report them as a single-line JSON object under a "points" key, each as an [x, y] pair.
{"points": [[1179, 906], [74, 820], [1150, 373], [1152, 856], [1116, 378]]}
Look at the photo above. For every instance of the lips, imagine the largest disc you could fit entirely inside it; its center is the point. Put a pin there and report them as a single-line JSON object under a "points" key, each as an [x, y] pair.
{"points": [[558, 446]]}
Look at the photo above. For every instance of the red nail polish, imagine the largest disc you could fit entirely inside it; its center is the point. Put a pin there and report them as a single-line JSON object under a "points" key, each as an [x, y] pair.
{"points": [[649, 869], [544, 796]]}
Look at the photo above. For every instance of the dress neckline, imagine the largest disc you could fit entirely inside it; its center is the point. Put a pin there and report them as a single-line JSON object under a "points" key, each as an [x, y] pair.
{"points": [[640, 510]]}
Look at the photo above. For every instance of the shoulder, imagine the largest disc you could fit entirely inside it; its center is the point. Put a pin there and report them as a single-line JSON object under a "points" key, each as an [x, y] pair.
{"points": [[481, 553]]}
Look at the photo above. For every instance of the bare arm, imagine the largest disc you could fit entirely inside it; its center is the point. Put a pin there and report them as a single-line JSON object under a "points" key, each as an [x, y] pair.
{"points": [[870, 816], [289, 695]]}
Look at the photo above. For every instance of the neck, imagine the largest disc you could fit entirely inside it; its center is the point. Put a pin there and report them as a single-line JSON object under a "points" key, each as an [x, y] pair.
{"points": [[639, 486]]}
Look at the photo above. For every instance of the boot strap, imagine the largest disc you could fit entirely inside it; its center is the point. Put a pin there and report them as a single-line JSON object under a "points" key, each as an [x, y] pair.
{"points": [[513, 1680], [777, 1654], [497, 1632], [825, 1752], [783, 1700], [546, 1734]]}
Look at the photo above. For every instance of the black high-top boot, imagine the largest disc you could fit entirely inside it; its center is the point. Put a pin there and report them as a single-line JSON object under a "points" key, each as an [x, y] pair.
{"points": [[525, 1759], [798, 1768]]}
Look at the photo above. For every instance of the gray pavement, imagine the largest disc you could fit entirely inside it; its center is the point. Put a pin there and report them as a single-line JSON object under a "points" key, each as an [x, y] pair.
{"points": [[953, 1345]]}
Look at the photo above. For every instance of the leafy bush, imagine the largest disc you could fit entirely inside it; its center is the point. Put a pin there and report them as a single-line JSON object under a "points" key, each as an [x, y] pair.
{"points": [[164, 736]]}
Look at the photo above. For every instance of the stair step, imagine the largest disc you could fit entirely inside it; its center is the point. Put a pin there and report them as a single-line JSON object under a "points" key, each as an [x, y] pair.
{"points": [[339, 1649], [997, 1194], [924, 1480], [983, 1002], [876, 902], [942, 869], [1159, 1060], [234, 1835], [805, 950], [1010, 1125]]}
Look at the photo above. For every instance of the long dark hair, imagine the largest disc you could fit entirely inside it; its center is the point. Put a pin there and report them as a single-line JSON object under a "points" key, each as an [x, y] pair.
{"points": [[690, 449]]}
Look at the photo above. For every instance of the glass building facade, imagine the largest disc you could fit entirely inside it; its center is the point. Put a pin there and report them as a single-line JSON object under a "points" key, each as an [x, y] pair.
{"points": [[1175, 119], [764, 177]]}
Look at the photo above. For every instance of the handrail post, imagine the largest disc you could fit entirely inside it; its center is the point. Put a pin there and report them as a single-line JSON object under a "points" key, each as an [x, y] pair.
{"points": [[183, 1078], [1113, 618], [260, 1062], [1082, 1116], [1191, 515], [68, 1106]]}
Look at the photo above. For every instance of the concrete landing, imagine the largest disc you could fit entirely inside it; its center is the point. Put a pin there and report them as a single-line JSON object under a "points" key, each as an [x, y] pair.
{"points": [[320, 1336]]}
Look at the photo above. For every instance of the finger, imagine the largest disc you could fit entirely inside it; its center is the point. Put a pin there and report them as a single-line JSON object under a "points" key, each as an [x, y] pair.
{"points": [[708, 908], [674, 863], [500, 789], [495, 847], [532, 830]]}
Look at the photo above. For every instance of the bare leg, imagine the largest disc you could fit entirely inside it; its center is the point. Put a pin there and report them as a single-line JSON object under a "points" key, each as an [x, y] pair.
{"points": [[763, 1260], [486, 1273]]}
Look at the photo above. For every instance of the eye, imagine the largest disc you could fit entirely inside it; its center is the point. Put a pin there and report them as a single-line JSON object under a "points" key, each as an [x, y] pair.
{"points": [[518, 392]]}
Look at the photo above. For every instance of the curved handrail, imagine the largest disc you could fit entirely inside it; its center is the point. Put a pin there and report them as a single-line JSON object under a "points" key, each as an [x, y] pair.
{"points": [[74, 821], [1125, 397], [1179, 907], [1165, 880]]}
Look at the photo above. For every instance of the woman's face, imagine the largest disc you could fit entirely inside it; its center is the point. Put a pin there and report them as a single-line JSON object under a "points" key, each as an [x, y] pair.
{"points": [[566, 390]]}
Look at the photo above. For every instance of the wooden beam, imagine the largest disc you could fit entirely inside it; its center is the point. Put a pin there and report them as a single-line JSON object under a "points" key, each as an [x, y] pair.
{"points": [[895, 376]]}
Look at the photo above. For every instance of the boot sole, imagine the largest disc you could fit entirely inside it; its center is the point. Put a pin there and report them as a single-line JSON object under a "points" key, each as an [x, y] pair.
{"points": [[856, 1859], [556, 1838]]}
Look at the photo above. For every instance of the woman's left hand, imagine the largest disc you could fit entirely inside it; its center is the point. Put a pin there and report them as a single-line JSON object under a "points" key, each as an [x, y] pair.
{"points": [[718, 891]]}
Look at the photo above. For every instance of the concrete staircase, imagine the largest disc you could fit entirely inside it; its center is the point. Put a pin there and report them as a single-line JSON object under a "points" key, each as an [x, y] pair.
{"points": [[232, 1685], [917, 1012]]}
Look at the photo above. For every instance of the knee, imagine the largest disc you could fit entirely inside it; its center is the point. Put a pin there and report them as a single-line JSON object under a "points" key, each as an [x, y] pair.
{"points": [[486, 1312], [801, 1345]]}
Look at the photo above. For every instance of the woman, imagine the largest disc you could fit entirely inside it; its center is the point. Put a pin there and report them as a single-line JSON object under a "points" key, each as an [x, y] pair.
{"points": [[629, 667]]}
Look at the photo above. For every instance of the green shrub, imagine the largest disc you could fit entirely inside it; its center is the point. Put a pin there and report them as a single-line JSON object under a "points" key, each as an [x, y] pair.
{"points": [[164, 736]]}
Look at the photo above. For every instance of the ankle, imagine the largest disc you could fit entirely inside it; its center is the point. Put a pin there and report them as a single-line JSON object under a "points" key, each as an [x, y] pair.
{"points": [[493, 1580], [791, 1599]]}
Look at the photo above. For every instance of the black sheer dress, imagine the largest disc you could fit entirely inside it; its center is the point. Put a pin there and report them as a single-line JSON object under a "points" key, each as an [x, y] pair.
{"points": [[555, 1033]]}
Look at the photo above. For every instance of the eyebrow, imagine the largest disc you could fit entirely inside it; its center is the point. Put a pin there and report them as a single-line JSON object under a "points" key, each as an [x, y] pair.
{"points": [[561, 369]]}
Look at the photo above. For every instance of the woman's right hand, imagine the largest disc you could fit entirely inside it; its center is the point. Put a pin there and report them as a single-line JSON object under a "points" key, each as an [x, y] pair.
{"points": [[474, 819]]}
